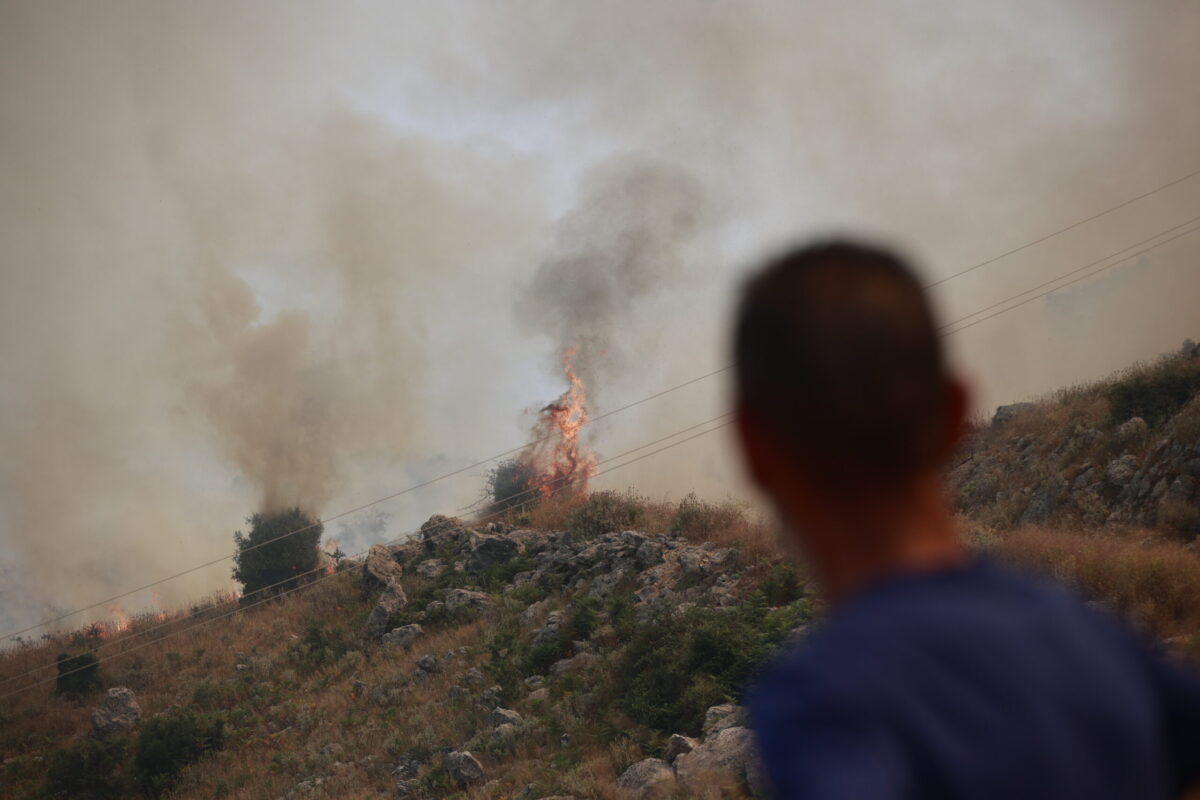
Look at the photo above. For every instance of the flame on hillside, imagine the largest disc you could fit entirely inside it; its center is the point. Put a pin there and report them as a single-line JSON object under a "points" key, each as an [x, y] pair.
{"points": [[556, 461]]}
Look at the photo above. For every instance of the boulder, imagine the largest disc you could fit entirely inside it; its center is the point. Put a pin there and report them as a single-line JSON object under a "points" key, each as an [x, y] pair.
{"points": [[391, 602], [651, 777], [677, 745], [718, 718], [404, 636], [1005, 414], [462, 767], [380, 569], [573, 664], [428, 663], [439, 530], [1133, 428], [549, 631], [1120, 471], [430, 568], [731, 751], [503, 716], [118, 712], [456, 598], [489, 551]]}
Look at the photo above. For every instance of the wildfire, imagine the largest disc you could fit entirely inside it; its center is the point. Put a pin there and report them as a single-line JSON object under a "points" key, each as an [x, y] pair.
{"points": [[556, 460], [109, 628], [330, 553]]}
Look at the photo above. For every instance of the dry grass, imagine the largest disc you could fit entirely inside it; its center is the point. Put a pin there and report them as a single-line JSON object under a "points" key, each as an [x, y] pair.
{"points": [[1152, 581]]}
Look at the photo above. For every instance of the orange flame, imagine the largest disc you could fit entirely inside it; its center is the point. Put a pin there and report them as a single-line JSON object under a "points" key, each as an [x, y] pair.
{"points": [[329, 548], [557, 460]]}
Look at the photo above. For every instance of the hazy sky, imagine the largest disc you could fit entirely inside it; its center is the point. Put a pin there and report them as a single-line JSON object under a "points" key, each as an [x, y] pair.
{"points": [[266, 252]]}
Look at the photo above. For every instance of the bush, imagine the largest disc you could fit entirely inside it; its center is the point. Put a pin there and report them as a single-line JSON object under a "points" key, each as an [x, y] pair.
{"points": [[319, 646], [674, 669], [1156, 394], [697, 518], [604, 512], [511, 486], [274, 558], [78, 676], [89, 770], [168, 744]]}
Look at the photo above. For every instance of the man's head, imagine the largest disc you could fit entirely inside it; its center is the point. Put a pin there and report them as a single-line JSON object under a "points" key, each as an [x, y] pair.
{"points": [[843, 393]]}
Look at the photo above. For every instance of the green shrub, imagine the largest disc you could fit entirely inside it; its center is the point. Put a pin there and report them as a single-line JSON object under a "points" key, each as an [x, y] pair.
{"points": [[320, 646], [168, 744], [89, 770], [675, 668], [511, 486], [1157, 394], [696, 517], [280, 552], [604, 512], [78, 676], [781, 586]]}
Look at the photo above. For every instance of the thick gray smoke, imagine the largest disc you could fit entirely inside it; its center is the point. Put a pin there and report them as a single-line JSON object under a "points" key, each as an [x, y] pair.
{"points": [[266, 254], [614, 256]]}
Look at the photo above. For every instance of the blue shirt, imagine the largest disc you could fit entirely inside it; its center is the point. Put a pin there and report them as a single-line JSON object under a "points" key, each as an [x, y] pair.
{"points": [[975, 682]]}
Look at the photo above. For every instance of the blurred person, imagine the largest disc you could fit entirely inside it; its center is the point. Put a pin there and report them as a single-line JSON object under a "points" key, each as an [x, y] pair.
{"points": [[936, 674]]}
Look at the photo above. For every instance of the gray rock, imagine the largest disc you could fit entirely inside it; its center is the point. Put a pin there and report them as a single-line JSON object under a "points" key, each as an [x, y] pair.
{"points": [[1182, 488], [407, 767], [430, 568], [1120, 471], [648, 778], [649, 554], [439, 530], [574, 664], [1041, 506], [718, 718], [677, 745], [1005, 414], [456, 598], [462, 767], [407, 788], [530, 615], [118, 712], [380, 569], [489, 551], [503, 716], [428, 663], [535, 682], [391, 602], [549, 631], [503, 737], [1134, 428], [539, 695], [732, 751], [404, 636]]}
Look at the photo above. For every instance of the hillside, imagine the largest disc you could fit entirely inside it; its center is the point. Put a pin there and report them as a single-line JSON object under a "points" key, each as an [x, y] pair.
{"points": [[593, 648]]}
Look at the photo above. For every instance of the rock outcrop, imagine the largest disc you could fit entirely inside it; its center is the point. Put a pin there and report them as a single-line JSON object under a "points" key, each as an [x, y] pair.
{"points": [[118, 712]]}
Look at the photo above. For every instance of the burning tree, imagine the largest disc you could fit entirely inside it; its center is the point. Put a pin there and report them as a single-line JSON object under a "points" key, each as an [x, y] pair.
{"points": [[280, 552], [555, 462]]}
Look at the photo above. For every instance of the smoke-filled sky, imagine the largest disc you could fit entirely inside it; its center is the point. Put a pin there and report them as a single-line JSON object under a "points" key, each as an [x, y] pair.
{"points": [[265, 253]]}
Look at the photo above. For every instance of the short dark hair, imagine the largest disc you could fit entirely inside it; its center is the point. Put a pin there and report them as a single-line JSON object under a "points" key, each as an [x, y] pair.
{"points": [[838, 355]]}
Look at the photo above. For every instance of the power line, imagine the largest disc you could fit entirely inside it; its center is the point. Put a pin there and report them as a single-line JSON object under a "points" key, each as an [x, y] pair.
{"points": [[321, 578], [597, 418], [1060, 231], [515, 497], [1105, 268], [682, 441]]}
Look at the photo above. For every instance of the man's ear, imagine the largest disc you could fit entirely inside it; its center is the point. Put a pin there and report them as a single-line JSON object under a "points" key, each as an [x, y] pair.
{"points": [[756, 448], [957, 404]]}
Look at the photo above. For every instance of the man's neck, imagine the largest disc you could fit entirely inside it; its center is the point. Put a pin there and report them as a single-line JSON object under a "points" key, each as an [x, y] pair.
{"points": [[872, 541]]}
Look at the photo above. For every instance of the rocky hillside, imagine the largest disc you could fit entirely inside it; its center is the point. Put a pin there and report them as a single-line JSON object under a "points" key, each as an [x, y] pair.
{"points": [[1125, 451], [590, 649], [589, 660]]}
